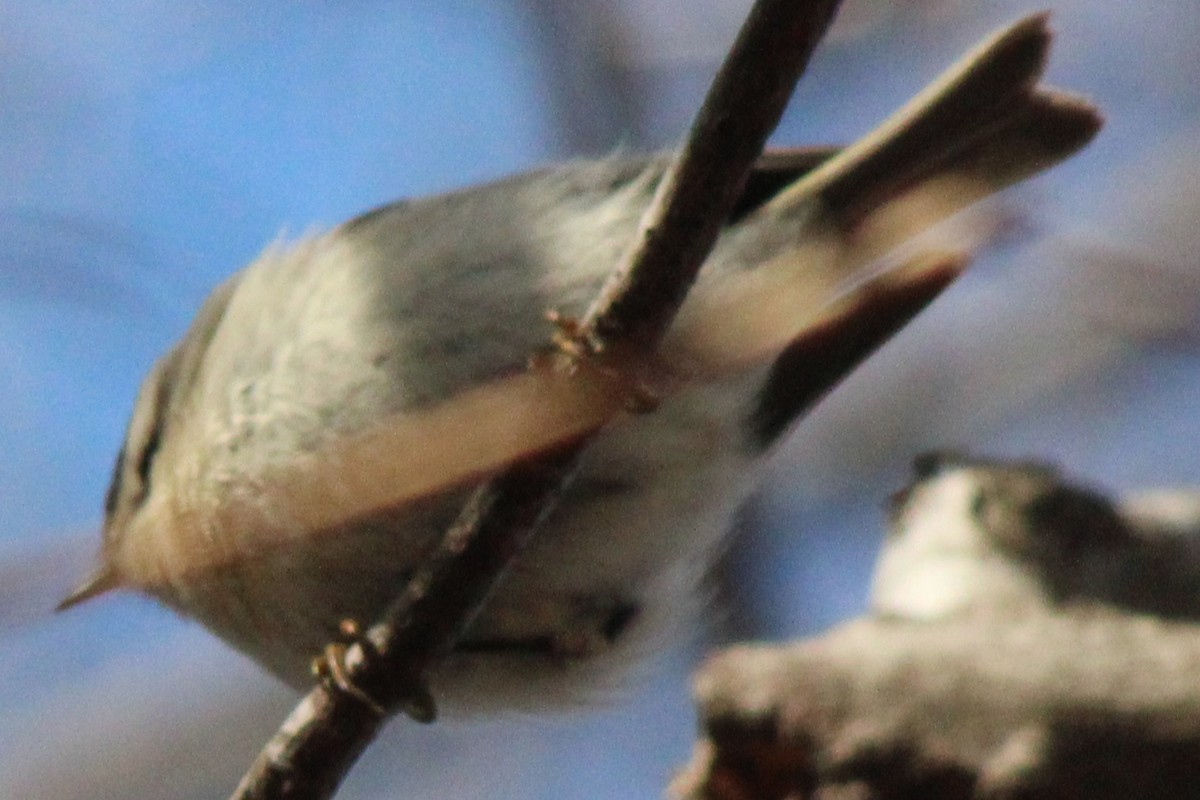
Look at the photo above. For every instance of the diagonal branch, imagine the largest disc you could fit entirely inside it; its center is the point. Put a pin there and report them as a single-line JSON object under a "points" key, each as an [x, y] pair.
{"points": [[384, 671], [698, 192]]}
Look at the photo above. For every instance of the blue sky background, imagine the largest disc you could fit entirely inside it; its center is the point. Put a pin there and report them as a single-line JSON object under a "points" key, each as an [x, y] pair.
{"points": [[148, 149]]}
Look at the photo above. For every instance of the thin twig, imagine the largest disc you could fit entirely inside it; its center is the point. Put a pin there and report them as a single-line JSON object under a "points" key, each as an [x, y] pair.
{"points": [[697, 193], [385, 671]]}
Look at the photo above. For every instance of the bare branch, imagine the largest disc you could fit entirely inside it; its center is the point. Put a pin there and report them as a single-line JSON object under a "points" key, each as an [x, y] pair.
{"points": [[1084, 703], [696, 195]]}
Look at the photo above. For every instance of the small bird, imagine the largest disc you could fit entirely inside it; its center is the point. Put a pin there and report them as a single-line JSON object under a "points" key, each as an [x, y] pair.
{"points": [[972, 534], [398, 313]]}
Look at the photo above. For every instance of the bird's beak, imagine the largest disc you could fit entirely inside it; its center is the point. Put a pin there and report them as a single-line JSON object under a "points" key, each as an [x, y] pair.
{"points": [[104, 579]]}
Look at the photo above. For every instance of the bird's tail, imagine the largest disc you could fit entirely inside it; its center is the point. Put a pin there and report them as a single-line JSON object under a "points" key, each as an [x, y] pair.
{"points": [[984, 120], [983, 125]]}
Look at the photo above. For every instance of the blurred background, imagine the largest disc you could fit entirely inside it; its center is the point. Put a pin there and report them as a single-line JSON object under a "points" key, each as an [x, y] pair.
{"points": [[149, 148]]}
